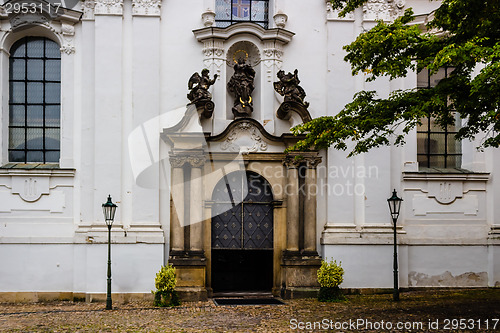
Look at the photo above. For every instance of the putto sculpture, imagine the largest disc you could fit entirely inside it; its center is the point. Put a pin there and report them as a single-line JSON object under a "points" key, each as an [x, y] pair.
{"points": [[288, 86], [199, 94], [241, 86]]}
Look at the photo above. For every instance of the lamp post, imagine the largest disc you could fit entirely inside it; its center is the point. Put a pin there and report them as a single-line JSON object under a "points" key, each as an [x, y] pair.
{"points": [[109, 209], [394, 206]]}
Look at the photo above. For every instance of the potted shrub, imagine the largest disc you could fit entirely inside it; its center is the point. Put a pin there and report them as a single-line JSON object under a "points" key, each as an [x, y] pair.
{"points": [[330, 276], [165, 282]]}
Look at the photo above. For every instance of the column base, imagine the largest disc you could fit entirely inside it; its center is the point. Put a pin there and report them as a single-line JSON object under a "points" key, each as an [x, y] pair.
{"points": [[300, 274], [191, 272]]}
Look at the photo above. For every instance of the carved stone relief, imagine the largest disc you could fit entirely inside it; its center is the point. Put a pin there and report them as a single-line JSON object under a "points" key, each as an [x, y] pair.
{"points": [[386, 10], [244, 138], [108, 7], [30, 189], [146, 7]]}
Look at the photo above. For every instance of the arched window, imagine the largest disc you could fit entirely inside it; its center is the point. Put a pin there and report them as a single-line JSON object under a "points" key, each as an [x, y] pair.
{"points": [[34, 101], [229, 12]]}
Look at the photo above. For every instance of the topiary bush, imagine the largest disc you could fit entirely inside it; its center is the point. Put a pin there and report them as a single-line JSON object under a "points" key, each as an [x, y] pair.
{"points": [[165, 282], [330, 276]]}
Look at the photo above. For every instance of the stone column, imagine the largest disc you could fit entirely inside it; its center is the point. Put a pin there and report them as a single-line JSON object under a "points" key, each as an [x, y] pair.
{"points": [[196, 203], [292, 204], [310, 205], [177, 204]]}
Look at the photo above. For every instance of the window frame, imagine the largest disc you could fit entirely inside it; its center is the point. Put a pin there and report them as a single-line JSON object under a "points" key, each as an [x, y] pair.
{"points": [[231, 21], [23, 43], [430, 131]]}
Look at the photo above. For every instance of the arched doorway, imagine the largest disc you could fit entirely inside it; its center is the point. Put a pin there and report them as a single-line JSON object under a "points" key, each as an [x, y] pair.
{"points": [[242, 233]]}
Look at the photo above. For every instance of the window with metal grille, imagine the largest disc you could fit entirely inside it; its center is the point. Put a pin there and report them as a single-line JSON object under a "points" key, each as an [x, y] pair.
{"points": [[229, 12], [437, 146], [34, 101]]}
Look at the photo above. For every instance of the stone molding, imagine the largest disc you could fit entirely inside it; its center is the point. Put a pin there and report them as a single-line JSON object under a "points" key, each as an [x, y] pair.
{"points": [[108, 7], [312, 161], [146, 7], [196, 161], [386, 10]]}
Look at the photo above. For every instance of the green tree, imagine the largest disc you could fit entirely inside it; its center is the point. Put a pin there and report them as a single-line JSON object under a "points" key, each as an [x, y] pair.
{"points": [[462, 34]]}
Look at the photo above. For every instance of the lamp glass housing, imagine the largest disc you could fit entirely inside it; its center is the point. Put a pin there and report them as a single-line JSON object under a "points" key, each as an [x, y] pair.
{"points": [[109, 210], [394, 205]]}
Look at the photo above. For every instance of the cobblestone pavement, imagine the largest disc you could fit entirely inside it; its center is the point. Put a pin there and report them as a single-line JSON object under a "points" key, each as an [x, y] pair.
{"points": [[448, 310]]}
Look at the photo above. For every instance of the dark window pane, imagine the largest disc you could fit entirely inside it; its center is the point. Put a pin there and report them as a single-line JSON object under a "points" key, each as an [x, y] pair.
{"points": [[16, 115], [222, 9], [35, 115], [259, 10], [52, 138], [34, 156], [17, 69], [52, 49], [437, 143], [17, 93], [52, 156], [18, 50], [52, 115], [52, 92], [454, 146], [17, 156], [53, 70], [423, 161], [35, 48], [35, 69], [34, 138], [422, 143], [436, 161], [35, 92], [16, 138]]}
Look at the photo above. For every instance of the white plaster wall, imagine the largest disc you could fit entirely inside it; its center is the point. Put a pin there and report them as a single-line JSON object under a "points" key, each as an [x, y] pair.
{"points": [[78, 267], [365, 266]]}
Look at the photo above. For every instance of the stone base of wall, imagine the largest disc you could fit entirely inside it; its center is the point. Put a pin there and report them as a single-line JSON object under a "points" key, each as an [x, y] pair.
{"points": [[33, 297]]}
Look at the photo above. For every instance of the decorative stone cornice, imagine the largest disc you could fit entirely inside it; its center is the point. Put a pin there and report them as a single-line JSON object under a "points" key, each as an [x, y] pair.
{"points": [[386, 10], [195, 160], [333, 14], [146, 7], [88, 7], [312, 161], [292, 161], [108, 7]]}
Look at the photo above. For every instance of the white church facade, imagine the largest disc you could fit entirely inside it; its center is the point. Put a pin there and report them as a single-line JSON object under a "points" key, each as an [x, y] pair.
{"points": [[95, 102]]}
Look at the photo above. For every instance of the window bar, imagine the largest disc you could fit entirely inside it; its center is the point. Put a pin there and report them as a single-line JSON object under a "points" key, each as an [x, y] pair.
{"points": [[26, 101]]}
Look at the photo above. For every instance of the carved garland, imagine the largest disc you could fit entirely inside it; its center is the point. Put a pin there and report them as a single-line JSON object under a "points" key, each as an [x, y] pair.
{"points": [[230, 145]]}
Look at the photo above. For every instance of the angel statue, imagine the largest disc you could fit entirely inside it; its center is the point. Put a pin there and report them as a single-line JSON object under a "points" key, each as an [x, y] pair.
{"points": [[241, 86], [199, 87], [288, 86]]}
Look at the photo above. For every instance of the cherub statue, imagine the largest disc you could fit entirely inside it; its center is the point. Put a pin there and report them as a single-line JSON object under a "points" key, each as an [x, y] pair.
{"points": [[288, 86], [199, 85]]}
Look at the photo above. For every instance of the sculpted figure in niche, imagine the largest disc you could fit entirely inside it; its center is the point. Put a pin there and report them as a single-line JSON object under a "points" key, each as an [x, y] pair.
{"points": [[241, 86], [288, 86]]}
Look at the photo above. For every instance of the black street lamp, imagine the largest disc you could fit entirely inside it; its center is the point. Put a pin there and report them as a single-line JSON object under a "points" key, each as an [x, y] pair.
{"points": [[394, 206], [109, 209]]}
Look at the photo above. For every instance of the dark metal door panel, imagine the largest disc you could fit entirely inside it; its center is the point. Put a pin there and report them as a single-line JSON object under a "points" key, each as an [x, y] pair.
{"points": [[246, 224], [257, 226]]}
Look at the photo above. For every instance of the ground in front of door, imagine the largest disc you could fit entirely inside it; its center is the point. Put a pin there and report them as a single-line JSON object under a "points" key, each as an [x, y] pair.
{"points": [[422, 311]]}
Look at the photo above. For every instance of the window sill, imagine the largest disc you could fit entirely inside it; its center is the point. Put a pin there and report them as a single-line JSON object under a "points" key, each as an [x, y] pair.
{"points": [[38, 169], [445, 174]]}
